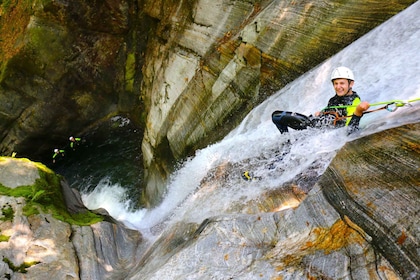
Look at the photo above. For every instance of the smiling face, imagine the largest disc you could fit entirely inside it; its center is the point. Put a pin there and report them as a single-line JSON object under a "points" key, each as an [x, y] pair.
{"points": [[343, 86]]}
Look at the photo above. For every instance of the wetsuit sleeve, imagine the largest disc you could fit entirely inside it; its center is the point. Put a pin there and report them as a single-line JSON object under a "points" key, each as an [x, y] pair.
{"points": [[354, 124]]}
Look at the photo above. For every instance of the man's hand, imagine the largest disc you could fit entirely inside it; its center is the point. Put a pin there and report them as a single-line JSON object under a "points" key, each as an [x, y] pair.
{"points": [[363, 106]]}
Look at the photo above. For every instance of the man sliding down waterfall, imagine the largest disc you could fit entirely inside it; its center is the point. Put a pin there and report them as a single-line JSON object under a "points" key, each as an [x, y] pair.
{"points": [[344, 109]]}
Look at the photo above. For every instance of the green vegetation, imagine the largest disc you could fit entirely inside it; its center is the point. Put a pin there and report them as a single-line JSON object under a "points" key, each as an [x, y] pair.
{"points": [[46, 196], [4, 238], [130, 70], [5, 5], [7, 212], [7, 215], [21, 268]]}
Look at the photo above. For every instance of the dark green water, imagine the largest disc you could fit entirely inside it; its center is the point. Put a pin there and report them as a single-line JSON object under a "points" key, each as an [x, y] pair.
{"points": [[113, 151]]}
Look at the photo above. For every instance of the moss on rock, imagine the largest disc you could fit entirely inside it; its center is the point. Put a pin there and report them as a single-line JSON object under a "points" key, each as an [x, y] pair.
{"points": [[130, 71], [7, 213], [45, 196]]}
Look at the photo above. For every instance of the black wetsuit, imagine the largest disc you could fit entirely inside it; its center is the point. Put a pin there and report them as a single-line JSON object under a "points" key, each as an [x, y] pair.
{"points": [[328, 116]]}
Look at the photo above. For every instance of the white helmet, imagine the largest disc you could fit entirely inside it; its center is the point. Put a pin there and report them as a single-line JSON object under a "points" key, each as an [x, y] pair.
{"points": [[342, 73], [55, 150]]}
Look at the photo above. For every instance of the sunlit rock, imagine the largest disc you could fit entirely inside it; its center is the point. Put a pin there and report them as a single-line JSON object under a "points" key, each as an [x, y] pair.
{"points": [[39, 239], [37, 246], [15, 173], [357, 221], [189, 72]]}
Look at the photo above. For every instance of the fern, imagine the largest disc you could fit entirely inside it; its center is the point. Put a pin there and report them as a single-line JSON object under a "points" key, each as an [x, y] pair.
{"points": [[37, 195]]}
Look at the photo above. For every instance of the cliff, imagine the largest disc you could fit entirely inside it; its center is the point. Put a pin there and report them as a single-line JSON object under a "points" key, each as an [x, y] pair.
{"points": [[187, 72]]}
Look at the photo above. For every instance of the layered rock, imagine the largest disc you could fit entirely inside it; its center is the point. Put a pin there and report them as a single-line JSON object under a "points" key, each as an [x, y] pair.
{"points": [[185, 71], [358, 222], [209, 63]]}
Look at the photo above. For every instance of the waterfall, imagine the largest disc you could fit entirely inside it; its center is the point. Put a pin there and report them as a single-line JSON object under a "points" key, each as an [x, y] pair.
{"points": [[386, 66]]}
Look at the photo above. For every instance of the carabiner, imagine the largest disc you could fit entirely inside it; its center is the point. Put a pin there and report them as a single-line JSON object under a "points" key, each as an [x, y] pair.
{"points": [[393, 108]]}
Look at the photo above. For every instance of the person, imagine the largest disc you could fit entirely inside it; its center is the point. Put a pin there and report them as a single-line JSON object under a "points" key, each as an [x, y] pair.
{"points": [[336, 113], [74, 141], [57, 152]]}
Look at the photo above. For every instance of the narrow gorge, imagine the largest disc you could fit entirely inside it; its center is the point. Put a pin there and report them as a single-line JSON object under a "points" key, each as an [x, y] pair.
{"points": [[191, 86]]}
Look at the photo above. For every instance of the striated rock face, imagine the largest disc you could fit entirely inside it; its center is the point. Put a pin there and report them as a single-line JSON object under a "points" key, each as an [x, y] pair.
{"points": [[376, 183], [210, 62], [186, 71], [359, 221]]}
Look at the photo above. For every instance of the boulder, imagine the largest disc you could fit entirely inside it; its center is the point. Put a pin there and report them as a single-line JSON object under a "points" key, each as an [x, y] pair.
{"points": [[17, 172], [40, 239]]}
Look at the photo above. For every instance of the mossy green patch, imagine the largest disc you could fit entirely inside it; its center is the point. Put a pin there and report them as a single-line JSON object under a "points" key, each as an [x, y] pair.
{"points": [[21, 268], [130, 71], [46, 196], [4, 238], [7, 213]]}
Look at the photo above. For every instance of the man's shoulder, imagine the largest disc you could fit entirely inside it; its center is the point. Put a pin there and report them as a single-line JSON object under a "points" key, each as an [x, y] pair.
{"points": [[353, 96], [333, 99]]}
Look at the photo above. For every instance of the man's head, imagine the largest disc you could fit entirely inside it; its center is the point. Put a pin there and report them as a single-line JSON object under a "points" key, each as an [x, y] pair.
{"points": [[343, 81]]}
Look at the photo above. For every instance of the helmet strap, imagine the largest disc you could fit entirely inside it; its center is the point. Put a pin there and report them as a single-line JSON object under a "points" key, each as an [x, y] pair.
{"points": [[350, 88]]}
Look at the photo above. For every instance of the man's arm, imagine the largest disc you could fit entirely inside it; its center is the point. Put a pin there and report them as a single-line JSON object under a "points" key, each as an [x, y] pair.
{"points": [[357, 115]]}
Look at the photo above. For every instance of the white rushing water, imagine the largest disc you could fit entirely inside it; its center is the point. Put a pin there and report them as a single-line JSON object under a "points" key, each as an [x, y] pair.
{"points": [[386, 66]]}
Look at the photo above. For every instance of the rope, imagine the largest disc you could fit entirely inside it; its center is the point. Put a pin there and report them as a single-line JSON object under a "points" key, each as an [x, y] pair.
{"points": [[397, 103]]}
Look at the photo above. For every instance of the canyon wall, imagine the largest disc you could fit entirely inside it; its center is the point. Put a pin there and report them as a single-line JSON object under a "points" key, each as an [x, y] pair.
{"points": [[186, 72]]}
